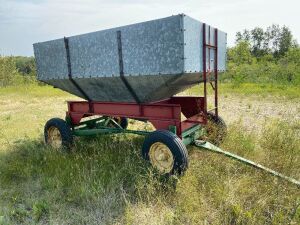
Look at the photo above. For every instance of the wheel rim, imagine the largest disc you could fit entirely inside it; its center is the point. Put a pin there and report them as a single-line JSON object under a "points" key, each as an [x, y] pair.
{"points": [[161, 157], [54, 137]]}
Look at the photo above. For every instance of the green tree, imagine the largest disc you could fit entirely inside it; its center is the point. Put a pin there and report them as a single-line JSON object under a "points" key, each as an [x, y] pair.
{"points": [[290, 66], [286, 41], [8, 71], [258, 39], [25, 65], [273, 37], [241, 53], [293, 56], [243, 36]]}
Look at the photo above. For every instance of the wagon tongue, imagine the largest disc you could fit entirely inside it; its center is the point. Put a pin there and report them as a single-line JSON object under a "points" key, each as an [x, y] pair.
{"points": [[215, 149]]}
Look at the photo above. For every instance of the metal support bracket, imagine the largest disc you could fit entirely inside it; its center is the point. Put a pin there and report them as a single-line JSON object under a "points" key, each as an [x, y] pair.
{"points": [[212, 86], [106, 130]]}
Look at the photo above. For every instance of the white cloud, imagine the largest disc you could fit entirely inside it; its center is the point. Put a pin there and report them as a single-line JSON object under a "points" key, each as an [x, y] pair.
{"points": [[25, 22]]}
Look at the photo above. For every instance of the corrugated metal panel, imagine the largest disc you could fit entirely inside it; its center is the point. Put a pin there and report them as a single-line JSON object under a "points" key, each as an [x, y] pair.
{"points": [[159, 59], [94, 55], [153, 48], [51, 60], [192, 45]]}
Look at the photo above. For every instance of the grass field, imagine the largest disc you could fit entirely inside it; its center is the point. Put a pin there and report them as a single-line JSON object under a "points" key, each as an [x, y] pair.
{"points": [[105, 181]]}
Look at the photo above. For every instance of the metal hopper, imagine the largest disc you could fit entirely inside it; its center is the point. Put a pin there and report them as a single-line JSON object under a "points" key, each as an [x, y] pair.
{"points": [[143, 62]]}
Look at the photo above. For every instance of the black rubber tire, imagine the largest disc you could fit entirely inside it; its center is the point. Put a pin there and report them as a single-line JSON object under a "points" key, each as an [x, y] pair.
{"points": [[220, 126], [175, 145], [64, 129]]}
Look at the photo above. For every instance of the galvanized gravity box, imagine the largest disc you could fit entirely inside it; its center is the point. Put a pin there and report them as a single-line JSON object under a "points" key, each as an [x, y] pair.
{"points": [[143, 62]]}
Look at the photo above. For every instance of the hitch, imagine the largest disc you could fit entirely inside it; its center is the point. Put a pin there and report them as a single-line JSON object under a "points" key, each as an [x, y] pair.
{"points": [[208, 146]]}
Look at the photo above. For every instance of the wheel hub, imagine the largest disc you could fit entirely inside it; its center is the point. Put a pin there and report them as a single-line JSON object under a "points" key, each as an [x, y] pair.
{"points": [[161, 157], [54, 137]]}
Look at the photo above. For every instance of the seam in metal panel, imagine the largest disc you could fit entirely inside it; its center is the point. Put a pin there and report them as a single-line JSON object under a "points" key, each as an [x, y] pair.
{"points": [[66, 40], [121, 66]]}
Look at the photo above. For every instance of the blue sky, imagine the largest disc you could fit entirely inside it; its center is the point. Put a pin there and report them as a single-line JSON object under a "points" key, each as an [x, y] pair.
{"points": [[24, 22]]}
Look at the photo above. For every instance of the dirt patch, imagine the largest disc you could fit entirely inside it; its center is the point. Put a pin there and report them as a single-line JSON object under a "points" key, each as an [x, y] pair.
{"points": [[254, 111]]}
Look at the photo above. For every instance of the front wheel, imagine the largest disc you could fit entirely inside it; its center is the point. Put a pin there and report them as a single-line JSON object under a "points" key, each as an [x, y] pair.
{"points": [[58, 134], [166, 152]]}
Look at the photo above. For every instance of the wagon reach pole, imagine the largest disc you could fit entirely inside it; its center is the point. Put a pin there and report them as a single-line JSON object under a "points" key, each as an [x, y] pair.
{"points": [[215, 149]]}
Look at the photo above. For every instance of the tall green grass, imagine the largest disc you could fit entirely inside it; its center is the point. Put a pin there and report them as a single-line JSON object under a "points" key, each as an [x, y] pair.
{"points": [[104, 180]]}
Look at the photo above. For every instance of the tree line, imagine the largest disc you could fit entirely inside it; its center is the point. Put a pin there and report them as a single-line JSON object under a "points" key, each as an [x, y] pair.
{"points": [[274, 40], [265, 56]]}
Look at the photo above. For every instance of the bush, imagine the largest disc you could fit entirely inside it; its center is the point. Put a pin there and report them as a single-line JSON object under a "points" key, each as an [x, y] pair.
{"points": [[8, 71], [15, 71], [264, 70], [26, 65]]}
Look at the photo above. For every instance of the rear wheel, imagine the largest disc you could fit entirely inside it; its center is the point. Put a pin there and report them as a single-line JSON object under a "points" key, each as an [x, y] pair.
{"points": [[166, 152], [122, 121], [58, 134], [216, 129]]}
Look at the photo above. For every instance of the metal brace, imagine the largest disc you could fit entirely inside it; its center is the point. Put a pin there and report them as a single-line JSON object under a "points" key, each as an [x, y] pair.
{"points": [[215, 149]]}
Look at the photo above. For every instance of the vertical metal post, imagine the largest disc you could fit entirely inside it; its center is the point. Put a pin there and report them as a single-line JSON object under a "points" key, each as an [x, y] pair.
{"points": [[82, 92], [204, 69], [121, 68], [216, 72]]}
